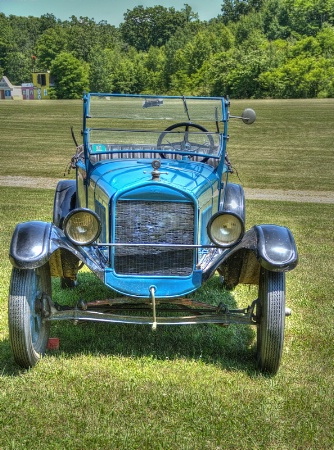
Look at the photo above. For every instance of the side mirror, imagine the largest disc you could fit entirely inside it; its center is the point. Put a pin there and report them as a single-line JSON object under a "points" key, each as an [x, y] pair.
{"points": [[248, 116]]}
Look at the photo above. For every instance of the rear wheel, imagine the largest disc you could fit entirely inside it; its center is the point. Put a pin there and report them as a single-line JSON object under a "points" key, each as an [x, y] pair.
{"points": [[270, 317], [28, 329]]}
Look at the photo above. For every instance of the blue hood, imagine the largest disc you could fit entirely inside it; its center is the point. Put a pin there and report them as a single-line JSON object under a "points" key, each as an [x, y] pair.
{"points": [[191, 178]]}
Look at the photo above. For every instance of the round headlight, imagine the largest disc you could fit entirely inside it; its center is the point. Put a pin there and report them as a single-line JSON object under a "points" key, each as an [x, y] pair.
{"points": [[225, 229], [82, 226]]}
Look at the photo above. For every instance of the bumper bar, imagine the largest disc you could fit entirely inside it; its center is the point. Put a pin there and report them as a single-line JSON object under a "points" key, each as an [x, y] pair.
{"points": [[113, 311]]}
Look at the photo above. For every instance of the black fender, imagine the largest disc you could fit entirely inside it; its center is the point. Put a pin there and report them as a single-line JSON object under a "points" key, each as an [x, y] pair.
{"points": [[35, 243], [234, 200], [276, 248], [64, 201], [269, 246], [29, 246]]}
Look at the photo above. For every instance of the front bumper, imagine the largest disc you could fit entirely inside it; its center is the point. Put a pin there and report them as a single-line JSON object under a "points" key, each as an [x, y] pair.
{"points": [[269, 246]]}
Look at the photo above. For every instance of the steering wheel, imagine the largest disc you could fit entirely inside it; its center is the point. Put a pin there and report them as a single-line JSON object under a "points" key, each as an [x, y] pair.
{"points": [[185, 144]]}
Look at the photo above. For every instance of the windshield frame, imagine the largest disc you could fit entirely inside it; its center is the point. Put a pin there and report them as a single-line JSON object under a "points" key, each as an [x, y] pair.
{"points": [[215, 120]]}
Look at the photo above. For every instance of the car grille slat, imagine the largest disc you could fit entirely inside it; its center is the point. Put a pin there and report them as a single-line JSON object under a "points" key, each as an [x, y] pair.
{"points": [[154, 222]]}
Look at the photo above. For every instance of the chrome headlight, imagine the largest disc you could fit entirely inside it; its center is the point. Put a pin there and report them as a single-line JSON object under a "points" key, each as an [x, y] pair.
{"points": [[225, 229], [82, 226]]}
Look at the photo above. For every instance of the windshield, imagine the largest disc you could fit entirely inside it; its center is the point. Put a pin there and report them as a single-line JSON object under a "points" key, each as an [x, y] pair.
{"points": [[154, 127]]}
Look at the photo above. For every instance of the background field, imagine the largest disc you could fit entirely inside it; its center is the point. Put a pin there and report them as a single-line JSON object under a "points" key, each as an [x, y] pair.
{"points": [[290, 146], [124, 387]]}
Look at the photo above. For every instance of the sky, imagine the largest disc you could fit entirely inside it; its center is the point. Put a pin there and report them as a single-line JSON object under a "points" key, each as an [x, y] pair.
{"points": [[110, 10]]}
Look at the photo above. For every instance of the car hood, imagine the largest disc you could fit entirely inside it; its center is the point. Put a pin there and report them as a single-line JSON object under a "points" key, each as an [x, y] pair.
{"points": [[192, 178]]}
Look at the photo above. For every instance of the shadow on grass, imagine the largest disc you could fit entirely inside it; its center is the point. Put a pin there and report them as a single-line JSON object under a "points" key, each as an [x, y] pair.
{"points": [[231, 348]]}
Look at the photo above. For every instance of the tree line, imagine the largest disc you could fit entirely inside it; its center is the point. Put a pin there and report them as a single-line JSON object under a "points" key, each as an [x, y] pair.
{"points": [[252, 49]]}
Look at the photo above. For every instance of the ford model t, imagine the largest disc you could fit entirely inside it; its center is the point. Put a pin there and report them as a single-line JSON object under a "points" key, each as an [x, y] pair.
{"points": [[152, 213]]}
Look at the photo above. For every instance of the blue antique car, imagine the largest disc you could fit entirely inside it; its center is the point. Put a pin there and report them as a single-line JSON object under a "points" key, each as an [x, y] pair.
{"points": [[152, 213]]}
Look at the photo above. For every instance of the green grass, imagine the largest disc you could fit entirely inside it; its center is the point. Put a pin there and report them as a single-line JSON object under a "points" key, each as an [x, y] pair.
{"points": [[125, 387], [36, 136], [290, 146]]}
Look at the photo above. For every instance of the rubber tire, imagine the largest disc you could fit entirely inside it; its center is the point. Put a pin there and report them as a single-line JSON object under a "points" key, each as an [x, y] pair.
{"points": [[270, 316], [28, 331]]}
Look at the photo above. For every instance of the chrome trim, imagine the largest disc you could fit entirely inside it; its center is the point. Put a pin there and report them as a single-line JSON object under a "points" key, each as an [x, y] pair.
{"points": [[117, 311], [126, 244], [216, 318]]}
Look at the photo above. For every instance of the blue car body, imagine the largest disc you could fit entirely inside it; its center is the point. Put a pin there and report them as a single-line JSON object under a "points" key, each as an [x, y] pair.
{"points": [[155, 189]]}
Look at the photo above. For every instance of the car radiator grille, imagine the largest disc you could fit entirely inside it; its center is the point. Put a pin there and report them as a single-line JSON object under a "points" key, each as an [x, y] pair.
{"points": [[153, 222]]}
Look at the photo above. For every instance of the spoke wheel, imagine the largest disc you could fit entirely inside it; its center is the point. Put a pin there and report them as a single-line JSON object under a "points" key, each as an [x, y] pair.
{"points": [[28, 330], [163, 140], [270, 316]]}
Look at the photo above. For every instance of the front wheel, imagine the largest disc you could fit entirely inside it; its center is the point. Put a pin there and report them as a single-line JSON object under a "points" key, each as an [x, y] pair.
{"points": [[270, 316], [28, 329]]}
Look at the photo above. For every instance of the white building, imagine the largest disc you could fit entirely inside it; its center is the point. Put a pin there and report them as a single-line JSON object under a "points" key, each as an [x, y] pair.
{"points": [[8, 91]]}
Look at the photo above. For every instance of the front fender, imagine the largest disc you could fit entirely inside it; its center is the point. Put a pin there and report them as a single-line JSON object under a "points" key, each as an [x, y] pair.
{"points": [[64, 201], [269, 246], [276, 248], [29, 246], [234, 200], [34, 243]]}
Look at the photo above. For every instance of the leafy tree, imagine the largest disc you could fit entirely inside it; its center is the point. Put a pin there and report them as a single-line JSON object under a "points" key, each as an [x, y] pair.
{"points": [[17, 39], [25, 32], [256, 48], [189, 59], [102, 68], [82, 37], [325, 37], [6, 39], [275, 20], [308, 46], [174, 51], [246, 28], [70, 75], [243, 80], [52, 42], [236, 73], [130, 74], [300, 77], [307, 17], [153, 26], [47, 21], [277, 52], [319, 80], [233, 10], [108, 35], [18, 67], [154, 62]]}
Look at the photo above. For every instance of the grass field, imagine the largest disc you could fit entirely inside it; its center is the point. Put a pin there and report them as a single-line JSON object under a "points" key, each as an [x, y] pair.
{"points": [[124, 387], [290, 146]]}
